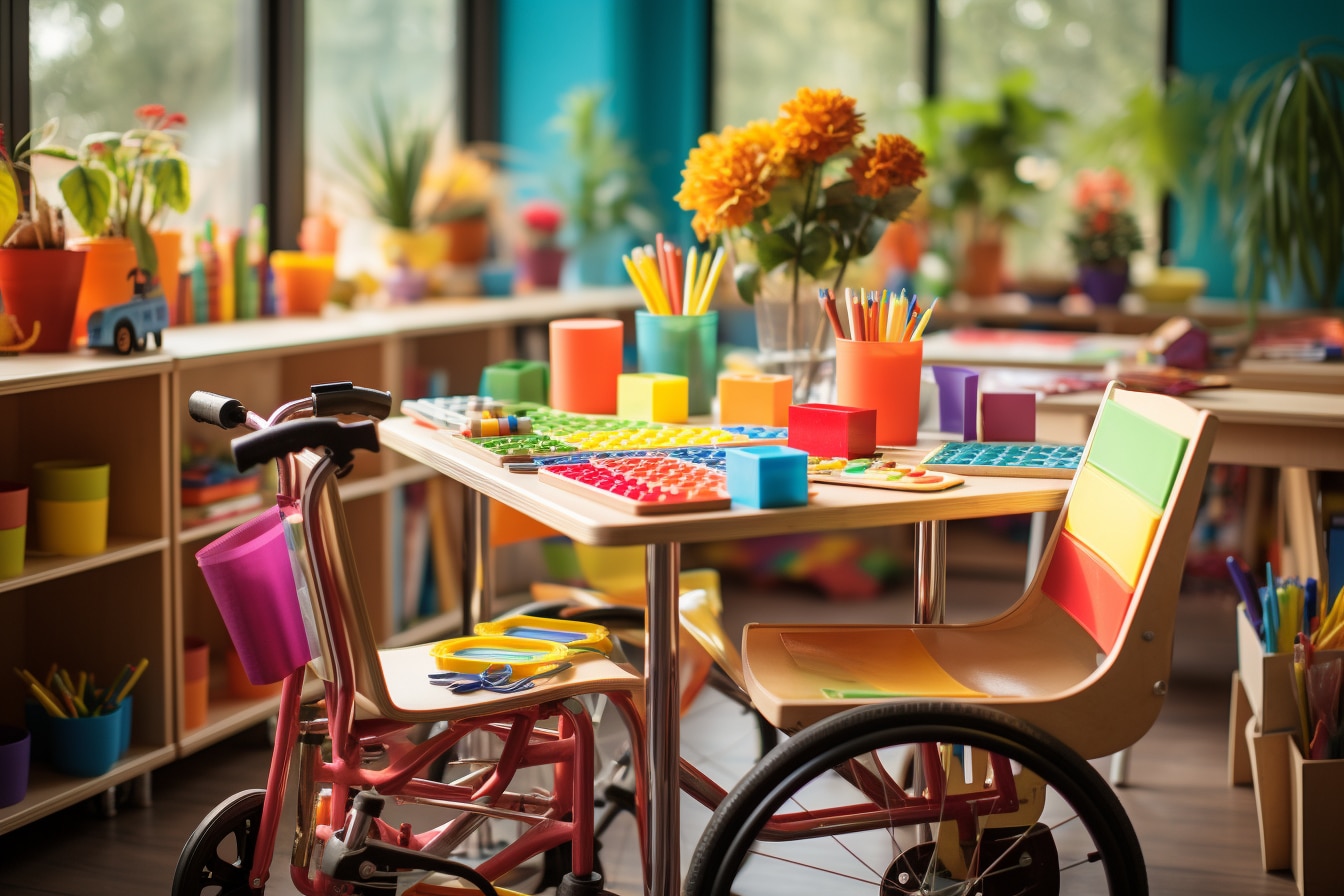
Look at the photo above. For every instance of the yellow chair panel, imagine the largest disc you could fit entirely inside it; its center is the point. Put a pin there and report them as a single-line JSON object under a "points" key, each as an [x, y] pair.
{"points": [[1111, 520]]}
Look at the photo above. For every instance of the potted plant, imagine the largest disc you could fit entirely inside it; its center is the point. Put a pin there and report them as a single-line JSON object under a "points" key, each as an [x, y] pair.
{"points": [[978, 192], [462, 186], [1105, 233], [604, 189], [1278, 161], [539, 255], [387, 160], [799, 199], [39, 277]]}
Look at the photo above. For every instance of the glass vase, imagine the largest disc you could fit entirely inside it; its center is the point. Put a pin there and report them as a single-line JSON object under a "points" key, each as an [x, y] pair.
{"points": [[794, 336]]}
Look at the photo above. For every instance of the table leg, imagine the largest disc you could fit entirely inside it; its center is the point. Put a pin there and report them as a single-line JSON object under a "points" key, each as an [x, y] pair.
{"points": [[930, 571], [478, 580], [663, 702]]}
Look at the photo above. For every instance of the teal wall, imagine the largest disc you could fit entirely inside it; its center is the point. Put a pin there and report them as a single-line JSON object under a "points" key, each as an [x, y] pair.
{"points": [[650, 55], [1216, 39]]}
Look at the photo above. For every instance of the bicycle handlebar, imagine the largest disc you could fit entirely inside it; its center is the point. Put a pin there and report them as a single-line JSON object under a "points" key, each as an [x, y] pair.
{"points": [[217, 410], [330, 399], [340, 440]]}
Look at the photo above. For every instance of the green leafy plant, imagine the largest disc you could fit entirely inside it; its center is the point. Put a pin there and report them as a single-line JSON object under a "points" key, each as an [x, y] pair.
{"points": [[387, 160], [122, 184], [1278, 161], [605, 185], [30, 223], [975, 149]]}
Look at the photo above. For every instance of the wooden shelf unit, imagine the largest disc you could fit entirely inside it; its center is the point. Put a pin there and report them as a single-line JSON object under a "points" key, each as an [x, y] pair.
{"points": [[144, 593]]}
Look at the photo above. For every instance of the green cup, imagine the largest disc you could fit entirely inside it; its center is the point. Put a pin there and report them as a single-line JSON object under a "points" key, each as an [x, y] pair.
{"points": [[686, 345]]}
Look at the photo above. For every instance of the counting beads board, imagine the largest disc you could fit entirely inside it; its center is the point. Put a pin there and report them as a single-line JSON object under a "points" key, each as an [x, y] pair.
{"points": [[510, 449], [876, 472], [1006, 459], [704, 456], [643, 485]]}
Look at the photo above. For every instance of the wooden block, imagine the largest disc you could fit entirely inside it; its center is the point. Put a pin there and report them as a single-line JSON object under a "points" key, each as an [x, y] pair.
{"points": [[1008, 416], [833, 430], [1088, 589], [659, 397], [1136, 451], [762, 398], [1112, 521]]}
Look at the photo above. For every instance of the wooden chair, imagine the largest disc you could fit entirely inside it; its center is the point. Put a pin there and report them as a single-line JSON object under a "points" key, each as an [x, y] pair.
{"points": [[1085, 653]]}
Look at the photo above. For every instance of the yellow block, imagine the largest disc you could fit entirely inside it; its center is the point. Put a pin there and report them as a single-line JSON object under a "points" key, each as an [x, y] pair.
{"points": [[659, 397], [1111, 520], [759, 398]]}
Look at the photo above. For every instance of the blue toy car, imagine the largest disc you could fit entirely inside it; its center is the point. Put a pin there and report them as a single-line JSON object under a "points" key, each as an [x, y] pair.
{"points": [[128, 326]]}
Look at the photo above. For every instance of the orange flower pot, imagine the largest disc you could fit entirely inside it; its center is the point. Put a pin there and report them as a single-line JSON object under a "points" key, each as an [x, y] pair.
{"points": [[107, 281], [168, 247], [467, 240]]}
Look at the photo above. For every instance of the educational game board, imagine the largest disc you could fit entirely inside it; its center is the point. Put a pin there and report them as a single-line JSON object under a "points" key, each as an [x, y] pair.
{"points": [[878, 472], [642, 485], [1025, 459]]}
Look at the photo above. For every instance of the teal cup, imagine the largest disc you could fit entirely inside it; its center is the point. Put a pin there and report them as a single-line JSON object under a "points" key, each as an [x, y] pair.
{"points": [[683, 344], [88, 746]]}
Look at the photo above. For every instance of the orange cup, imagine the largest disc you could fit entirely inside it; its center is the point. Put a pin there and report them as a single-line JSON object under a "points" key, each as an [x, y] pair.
{"points": [[195, 681], [883, 376], [585, 364], [302, 280]]}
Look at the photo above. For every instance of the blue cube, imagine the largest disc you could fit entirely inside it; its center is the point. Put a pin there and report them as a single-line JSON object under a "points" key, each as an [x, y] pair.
{"points": [[763, 476]]}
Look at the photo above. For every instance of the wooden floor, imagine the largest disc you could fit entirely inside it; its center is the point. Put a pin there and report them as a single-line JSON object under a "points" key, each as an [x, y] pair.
{"points": [[1198, 833]]}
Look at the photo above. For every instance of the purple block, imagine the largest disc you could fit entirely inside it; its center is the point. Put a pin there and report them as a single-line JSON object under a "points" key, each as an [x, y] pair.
{"points": [[957, 391], [1008, 416]]}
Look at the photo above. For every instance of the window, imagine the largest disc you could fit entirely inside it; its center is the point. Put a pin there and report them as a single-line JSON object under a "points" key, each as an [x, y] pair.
{"points": [[93, 62], [1087, 57]]}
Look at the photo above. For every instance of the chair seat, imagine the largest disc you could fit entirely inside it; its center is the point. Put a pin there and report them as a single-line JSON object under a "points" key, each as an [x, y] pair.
{"points": [[410, 697], [791, 668]]}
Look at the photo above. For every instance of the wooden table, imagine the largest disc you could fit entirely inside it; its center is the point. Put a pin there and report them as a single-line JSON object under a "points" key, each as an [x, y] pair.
{"points": [[1299, 433], [832, 507]]}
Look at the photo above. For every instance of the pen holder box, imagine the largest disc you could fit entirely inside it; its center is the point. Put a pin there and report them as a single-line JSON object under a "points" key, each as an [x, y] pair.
{"points": [[1267, 678], [88, 746], [685, 345], [884, 376], [1317, 788]]}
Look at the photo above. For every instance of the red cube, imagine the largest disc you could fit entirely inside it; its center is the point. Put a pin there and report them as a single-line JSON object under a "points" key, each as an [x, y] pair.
{"points": [[833, 430]]}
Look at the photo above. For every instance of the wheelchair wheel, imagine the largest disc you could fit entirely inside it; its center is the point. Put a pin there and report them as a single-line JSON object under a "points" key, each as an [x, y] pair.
{"points": [[218, 855], [837, 825]]}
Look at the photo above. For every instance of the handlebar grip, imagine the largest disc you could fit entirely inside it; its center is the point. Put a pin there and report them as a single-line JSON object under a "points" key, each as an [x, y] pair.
{"points": [[341, 441], [330, 399], [217, 410]]}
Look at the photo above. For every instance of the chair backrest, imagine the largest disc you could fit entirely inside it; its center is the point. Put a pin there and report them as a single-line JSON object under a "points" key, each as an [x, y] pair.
{"points": [[1131, 482]]}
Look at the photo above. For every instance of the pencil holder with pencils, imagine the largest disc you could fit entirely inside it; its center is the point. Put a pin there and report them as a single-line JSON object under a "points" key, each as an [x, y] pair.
{"points": [[884, 376], [685, 345], [88, 746]]}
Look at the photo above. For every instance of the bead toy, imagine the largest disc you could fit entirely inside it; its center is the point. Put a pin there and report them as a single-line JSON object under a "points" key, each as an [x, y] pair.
{"points": [[1006, 459], [879, 472], [643, 485]]}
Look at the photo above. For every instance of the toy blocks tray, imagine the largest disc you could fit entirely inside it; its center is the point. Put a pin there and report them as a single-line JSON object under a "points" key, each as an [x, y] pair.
{"points": [[643, 485], [1024, 459], [878, 472]]}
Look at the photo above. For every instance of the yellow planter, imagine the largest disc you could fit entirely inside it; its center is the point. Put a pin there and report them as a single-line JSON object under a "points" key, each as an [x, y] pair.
{"points": [[420, 249]]}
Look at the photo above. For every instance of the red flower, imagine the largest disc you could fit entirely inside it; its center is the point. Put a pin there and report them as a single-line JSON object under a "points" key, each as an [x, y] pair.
{"points": [[174, 120], [542, 216], [150, 112]]}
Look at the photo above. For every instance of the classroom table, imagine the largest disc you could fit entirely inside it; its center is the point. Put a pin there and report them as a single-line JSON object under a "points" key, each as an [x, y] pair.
{"points": [[830, 508]]}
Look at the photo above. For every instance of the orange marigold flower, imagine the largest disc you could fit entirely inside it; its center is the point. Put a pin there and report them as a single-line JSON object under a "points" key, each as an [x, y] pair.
{"points": [[727, 177], [893, 161], [816, 124]]}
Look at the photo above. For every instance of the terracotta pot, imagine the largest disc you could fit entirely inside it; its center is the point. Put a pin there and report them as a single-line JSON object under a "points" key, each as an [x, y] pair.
{"points": [[467, 240], [319, 234], [168, 247], [981, 271], [107, 281], [42, 285]]}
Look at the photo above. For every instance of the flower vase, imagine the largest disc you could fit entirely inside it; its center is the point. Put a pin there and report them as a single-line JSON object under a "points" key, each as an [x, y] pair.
{"points": [[1104, 284], [794, 336]]}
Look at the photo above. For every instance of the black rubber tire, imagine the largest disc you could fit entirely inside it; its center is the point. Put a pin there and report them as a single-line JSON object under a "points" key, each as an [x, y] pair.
{"points": [[731, 833], [123, 338], [202, 869]]}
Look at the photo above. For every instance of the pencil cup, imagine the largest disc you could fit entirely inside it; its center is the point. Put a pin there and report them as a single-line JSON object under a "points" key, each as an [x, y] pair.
{"points": [[251, 580], [195, 681], [15, 751], [70, 506], [87, 746], [302, 280], [13, 527], [685, 345], [883, 376], [585, 362]]}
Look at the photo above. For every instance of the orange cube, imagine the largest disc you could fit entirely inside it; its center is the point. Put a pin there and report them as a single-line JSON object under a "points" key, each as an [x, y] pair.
{"points": [[759, 398]]}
